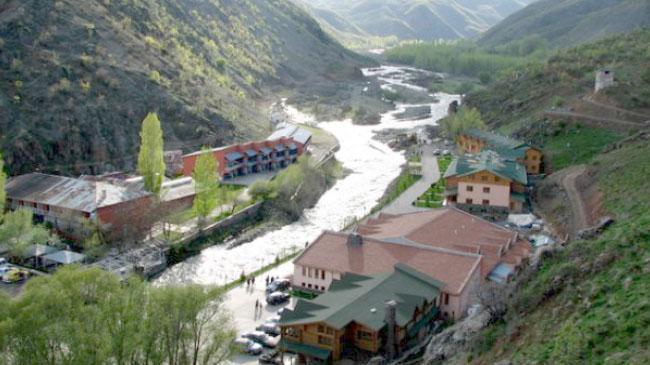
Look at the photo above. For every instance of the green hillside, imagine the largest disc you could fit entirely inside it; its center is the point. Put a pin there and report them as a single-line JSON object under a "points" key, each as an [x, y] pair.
{"points": [[364, 23], [78, 77], [515, 103], [565, 23]]}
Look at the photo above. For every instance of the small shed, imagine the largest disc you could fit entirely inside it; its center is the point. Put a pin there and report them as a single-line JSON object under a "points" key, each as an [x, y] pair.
{"points": [[63, 258], [35, 253]]}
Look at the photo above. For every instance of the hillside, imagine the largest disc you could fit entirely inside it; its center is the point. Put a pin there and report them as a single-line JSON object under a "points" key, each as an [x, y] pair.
{"points": [[516, 103], [565, 23], [360, 22], [80, 76], [586, 303]]}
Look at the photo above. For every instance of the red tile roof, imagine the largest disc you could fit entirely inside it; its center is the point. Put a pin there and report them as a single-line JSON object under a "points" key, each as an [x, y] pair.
{"points": [[331, 252], [452, 229]]}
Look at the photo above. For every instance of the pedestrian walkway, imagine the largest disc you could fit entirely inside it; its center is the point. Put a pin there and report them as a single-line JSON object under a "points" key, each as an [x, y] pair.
{"points": [[430, 174]]}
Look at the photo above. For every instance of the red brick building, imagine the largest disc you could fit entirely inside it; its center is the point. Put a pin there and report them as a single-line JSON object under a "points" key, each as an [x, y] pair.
{"points": [[280, 150]]}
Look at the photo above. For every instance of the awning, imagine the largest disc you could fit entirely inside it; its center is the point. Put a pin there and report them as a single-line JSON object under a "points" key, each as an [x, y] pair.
{"points": [[39, 250], [304, 349], [65, 257], [233, 156], [251, 153], [518, 197], [501, 273], [413, 331]]}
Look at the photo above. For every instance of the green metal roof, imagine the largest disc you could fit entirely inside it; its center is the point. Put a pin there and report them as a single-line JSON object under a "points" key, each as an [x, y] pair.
{"points": [[305, 349], [362, 299], [494, 139], [518, 196], [487, 161]]}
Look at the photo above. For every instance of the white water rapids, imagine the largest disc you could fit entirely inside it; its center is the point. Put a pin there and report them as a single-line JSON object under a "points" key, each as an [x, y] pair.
{"points": [[373, 164]]}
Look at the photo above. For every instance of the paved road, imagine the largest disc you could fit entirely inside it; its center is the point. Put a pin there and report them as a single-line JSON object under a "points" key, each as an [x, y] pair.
{"points": [[430, 175], [241, 303]]}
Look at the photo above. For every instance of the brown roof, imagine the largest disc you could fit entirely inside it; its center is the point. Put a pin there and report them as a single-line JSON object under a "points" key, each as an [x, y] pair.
{"points": [[452, 229], [331, 252]]}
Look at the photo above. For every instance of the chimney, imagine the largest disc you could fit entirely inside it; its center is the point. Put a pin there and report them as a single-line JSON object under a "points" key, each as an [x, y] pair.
{"points": [[390, 334], [355, 239]]}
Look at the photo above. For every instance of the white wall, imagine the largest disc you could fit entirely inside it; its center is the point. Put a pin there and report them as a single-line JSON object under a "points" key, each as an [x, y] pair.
{"points": [[313, 281]]}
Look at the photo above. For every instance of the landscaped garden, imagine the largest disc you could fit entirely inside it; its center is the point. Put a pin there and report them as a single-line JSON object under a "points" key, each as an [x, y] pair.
{"points": [[433, 197]]}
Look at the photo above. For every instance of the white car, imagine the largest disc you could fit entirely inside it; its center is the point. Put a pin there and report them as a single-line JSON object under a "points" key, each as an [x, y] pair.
{"points": [[248, 346], [262, 338]]}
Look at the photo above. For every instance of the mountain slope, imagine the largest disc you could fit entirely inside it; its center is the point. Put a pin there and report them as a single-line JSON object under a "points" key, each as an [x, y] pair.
{"points": [[82, 75], [567, 23], [410, 19]]}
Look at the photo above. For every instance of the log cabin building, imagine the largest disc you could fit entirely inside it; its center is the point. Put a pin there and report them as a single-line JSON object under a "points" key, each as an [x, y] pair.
{"points": [[383, 314]]}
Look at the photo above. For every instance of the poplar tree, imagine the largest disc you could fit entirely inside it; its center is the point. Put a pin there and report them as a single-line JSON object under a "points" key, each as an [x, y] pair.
{"points": [[206, 184], [151, 163], [3, 178]]}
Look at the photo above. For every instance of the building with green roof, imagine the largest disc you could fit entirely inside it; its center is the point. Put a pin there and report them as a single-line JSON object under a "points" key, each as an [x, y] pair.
{"points": [[486, 180], [381, 313], [474, 141]]}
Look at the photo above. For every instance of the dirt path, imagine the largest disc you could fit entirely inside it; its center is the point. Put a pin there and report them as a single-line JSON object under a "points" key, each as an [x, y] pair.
{"points": [[580, 216]]}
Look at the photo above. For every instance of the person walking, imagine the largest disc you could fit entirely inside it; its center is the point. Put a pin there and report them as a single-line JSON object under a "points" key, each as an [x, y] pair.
{"points": [[267, 280]]}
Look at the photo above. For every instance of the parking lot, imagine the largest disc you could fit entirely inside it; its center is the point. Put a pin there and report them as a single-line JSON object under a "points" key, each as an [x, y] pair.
{"points": [[241, 303]]}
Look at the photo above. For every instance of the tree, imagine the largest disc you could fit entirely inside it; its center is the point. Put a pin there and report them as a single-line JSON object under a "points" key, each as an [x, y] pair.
{"points": [[151, 163], [18, 232], [466, 118], [206, 182], [3, 178], [87, 316], [495, 298]]}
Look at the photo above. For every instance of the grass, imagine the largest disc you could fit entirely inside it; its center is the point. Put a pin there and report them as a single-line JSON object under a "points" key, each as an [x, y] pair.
{"points": [[574, 145], [432, 198], [589, 303], [400, 185]]}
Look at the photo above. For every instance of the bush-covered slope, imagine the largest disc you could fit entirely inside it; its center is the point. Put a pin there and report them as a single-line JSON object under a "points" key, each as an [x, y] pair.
{"points": [[79, 76], [515, 103], [566, 23]]}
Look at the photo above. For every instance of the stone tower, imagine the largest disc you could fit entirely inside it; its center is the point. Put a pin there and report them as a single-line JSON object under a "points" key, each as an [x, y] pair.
{"points": [[604, 79]]}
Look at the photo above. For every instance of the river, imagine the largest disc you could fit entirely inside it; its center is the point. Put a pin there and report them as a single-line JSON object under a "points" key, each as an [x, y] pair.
{"points": [[373, 166]]}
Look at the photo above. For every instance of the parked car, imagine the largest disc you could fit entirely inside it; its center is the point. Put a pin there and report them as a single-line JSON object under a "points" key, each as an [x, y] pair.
{"points": [[277, 297], [271, 357], [248, 346], [3, 261], [14, 275], [270, 328], [446, 153], [278, 285], [262, 338], [436, 152], [279, 312]]}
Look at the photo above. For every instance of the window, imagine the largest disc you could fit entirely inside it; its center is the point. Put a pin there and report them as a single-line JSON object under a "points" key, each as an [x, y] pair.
{"points": [[322, 274], [303, 285], [446, 298], [486, 190], [470, 188], [330, 331], [309, 286], [321, 328], [469, 201], [364, 335], [304, 271], [484, 178], [322, 288], [324, 340], [486, 202]]}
